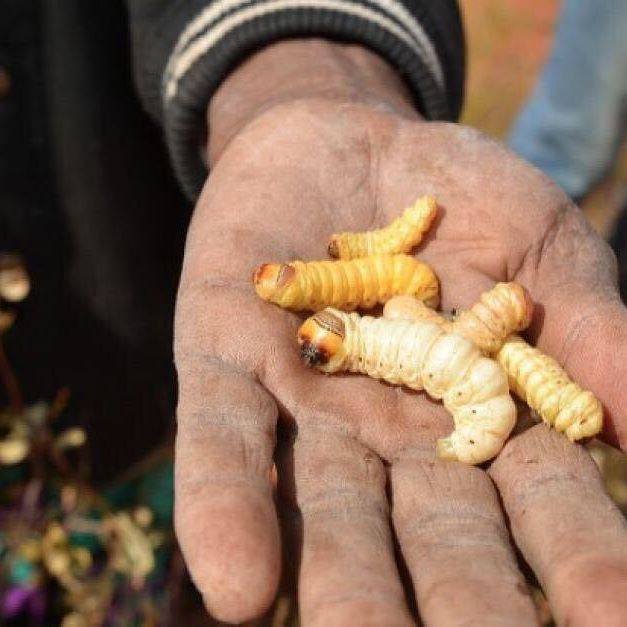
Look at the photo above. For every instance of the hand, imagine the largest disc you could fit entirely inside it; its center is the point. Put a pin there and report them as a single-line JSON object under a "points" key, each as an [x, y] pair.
{"points": [[355, 457]]}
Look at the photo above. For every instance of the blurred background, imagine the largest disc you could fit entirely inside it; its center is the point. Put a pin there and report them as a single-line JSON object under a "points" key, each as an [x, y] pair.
{"points": [[508, 45], [86, 419]]}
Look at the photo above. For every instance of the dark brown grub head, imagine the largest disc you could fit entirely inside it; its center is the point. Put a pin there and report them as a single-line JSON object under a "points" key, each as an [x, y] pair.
{"points": [[313, 355], [333, 249]]}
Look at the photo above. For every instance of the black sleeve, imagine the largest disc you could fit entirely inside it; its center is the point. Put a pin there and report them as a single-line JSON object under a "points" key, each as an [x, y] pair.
{"points": [[183, 49]]}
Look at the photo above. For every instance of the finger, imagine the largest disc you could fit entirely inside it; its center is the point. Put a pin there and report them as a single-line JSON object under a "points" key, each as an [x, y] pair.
{"points": [[348, 574], [224, 511], [592, 348], [454, 540], [569, 531], [579, 317]]}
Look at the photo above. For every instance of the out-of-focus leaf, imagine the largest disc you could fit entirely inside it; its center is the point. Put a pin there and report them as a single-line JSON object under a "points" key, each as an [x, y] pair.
{"points": [[143, 516], [7, 318], [74, 619], [37, 413], [14, 280], [70, 438], [156, 490], [134, 550], [81, 559], [13, 450], [23, 572]]}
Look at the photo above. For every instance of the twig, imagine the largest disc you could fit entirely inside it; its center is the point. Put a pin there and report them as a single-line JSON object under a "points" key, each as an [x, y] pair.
{"points": [[10, 383]]}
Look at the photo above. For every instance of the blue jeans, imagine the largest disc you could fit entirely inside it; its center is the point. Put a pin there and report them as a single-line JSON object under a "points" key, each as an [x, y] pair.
{"points": [[574, 124]]}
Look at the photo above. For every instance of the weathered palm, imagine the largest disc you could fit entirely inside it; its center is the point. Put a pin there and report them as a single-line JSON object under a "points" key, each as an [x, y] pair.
{"points": [[283, 185]]}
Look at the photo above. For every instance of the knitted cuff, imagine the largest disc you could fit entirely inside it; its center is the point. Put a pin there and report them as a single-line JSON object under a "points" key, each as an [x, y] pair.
{"points": [[221, 35]]}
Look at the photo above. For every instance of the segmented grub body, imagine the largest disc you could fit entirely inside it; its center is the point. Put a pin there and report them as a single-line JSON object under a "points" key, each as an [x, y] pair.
{"points": [[533, 376], [400, 236], [346, 285], [420, 355], [544, 385], [505, 309], [409, 308]]}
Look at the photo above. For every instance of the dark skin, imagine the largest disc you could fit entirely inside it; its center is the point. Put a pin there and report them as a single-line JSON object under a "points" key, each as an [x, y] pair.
{"points": [[296, 155]]}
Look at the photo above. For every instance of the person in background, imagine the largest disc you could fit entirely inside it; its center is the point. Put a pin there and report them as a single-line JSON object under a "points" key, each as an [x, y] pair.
{"points": [[285, 121], [575, 123]]}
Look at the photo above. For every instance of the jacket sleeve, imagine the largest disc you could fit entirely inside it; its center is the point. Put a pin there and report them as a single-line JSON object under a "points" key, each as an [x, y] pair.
{"points": [[183, 49]]}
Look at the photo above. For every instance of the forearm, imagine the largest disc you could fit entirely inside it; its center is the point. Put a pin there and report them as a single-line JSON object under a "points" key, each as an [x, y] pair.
{"points": [[308, 69]]}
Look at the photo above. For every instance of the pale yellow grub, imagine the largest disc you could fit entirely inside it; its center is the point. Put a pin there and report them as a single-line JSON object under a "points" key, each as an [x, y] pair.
{"points": [[400, 236], [420, 355], [535, 377]]}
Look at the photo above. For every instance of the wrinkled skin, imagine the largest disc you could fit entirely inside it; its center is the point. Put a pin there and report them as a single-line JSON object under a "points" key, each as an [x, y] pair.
{"points": [[354, 456]]}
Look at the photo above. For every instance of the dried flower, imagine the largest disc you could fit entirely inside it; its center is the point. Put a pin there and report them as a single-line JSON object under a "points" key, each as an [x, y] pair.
{"points": [[14, 280]]}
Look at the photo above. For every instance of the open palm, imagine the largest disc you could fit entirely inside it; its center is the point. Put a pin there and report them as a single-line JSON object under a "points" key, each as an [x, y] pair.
{"points": [[355, 457]]}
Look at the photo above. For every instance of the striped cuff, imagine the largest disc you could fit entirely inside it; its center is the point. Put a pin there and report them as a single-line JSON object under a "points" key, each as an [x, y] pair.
{"points": [[225, 32]]}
